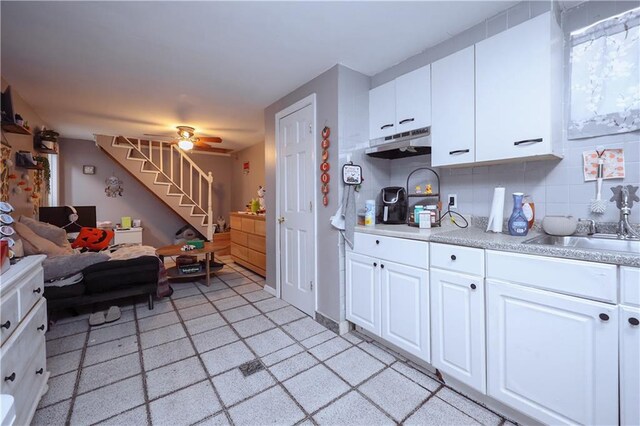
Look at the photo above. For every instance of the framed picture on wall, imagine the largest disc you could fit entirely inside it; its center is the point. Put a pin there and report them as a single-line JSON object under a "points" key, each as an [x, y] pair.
{"points": [[89, 170]]}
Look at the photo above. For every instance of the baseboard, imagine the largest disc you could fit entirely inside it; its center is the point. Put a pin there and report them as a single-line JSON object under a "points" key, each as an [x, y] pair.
{"points": [[270, 290], [340, 328]]}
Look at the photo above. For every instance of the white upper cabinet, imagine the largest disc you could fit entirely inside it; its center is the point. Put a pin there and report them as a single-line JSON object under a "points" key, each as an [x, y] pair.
{"points": [[413, 100], [401, 105], [382, 111], [453, 131], [518, 91]]}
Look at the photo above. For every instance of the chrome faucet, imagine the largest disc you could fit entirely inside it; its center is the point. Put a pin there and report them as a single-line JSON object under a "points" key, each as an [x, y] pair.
{"points": [[592, 228], [624, 196]]}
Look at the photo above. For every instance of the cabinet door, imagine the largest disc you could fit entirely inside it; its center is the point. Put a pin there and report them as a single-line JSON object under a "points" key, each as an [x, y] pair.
{"points": [[457, 327], [413, 100], [382, 110], [552, 357], [629, 365], [405, 307], [513, 92], [453, 130], [363, 292]]}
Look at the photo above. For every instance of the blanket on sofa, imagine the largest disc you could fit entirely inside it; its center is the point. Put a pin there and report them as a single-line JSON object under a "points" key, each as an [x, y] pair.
{"points": [[133, 251]]}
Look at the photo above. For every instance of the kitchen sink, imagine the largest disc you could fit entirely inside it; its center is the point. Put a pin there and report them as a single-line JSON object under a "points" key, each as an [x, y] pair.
{"points": [[596, 242]]}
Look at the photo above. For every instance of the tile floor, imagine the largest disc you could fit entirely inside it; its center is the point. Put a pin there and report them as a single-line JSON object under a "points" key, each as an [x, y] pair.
{"points": [[178, 365]]}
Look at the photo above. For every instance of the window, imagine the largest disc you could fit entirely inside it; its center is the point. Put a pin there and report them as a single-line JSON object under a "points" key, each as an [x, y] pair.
{"points": [[605, 77]]}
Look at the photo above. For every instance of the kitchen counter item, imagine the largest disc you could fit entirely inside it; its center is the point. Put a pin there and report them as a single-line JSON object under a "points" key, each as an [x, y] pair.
{"points": [[496, 217], [428, 200], [394, 205], [561, 226], [518, 222]]}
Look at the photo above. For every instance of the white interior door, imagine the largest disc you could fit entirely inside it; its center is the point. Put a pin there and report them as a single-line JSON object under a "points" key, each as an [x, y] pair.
{"points": [[297, 224]]}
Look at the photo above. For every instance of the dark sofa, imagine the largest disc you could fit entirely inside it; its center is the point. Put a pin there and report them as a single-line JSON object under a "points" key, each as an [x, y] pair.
{"points": [[104, 281]]}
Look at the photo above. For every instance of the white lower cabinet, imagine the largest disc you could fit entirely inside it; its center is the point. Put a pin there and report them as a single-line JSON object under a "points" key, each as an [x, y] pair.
{"points": [[629, 365], [551, 356], [457, 327], [388, 298], [405, 307], [363, 292]]}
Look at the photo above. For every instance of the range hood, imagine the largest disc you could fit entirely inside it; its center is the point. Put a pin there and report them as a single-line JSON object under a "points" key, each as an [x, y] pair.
{"points": [[407, 144]]}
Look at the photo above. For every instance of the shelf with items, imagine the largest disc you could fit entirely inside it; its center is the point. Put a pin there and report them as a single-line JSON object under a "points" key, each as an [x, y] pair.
{"points": [[46, 142], [437, 203], [15, 128]]}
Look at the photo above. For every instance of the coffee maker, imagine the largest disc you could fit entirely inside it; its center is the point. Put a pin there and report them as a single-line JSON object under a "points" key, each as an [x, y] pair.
{"points": [[393, 205]]}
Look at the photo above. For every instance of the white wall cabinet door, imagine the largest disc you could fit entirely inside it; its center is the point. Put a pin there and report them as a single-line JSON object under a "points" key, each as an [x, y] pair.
{"points": [[382, 111], [629, 365], [457, 327], [363, 292], [514, 74], [453, 131], [413, 100], [405, 307], [551, 356]]}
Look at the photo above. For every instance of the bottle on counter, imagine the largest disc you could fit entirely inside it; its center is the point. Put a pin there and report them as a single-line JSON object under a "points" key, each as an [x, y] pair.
{"points": [[529, 209], [416, 213], [370, 213], [518, 222]]}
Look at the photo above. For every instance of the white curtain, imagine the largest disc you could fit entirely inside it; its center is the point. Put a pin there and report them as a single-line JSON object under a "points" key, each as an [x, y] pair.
{"points": [[605, 77]]}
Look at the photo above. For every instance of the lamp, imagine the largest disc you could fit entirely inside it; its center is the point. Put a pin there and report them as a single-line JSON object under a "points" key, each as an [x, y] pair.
{"points": [[185, 144]]}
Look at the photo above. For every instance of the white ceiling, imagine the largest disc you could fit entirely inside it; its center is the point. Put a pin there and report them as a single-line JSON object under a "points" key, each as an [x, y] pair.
{"points": [[143, 67]]}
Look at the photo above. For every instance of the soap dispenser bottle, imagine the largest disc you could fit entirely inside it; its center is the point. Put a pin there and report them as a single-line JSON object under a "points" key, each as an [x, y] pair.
{"points": [[518, 222]]}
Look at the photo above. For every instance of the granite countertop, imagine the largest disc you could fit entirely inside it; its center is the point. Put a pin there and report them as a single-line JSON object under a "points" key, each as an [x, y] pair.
{"points": [[477, 237]]}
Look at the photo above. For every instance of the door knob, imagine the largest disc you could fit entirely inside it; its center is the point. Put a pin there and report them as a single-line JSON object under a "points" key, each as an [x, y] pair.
{"points": [[40, 371], [281, 219], [473, 286], [41, 328], [37, 290]]}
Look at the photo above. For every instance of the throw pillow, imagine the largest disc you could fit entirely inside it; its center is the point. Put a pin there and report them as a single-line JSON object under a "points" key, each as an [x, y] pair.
{"points": [[35, 244], [93, 239], [56, 235]]}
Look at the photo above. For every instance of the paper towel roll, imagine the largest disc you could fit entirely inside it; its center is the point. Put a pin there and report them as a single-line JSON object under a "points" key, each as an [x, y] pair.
{"points": [[496, 217]]}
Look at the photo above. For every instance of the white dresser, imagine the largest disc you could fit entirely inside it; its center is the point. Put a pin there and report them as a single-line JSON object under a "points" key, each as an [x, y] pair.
{"points": [[23, 322], [127, 236]]}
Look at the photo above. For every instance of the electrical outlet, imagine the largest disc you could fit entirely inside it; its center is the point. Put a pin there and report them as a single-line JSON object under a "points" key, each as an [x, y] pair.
{"points": [[452, 201]]}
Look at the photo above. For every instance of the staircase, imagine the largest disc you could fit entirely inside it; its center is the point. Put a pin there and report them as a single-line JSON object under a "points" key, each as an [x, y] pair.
{"points": [[169, 173]]}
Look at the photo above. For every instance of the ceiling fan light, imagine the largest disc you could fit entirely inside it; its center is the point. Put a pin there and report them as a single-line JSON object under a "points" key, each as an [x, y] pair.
{"points": [[185, 144]]}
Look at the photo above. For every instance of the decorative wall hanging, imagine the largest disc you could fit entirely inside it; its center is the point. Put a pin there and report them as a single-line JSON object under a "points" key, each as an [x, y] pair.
{"points": [[114, 187], [351, 174], [605, 77], [89, 170], [325, 166], [246, 167], [613, 164], [7, 164]]}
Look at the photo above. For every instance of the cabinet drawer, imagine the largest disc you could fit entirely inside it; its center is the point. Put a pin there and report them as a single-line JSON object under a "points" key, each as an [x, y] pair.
{"points": [[9, 315], [630, 286], [248, 225], [400, 250], [574, 277], [467, 260], [29, 390], [31, 291], [260, 228], [256, 258], [236, 222], [239, 251], [238, 237], [257, 243]]}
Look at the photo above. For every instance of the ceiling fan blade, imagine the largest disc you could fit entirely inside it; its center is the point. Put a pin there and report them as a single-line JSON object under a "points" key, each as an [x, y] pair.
{"points": [[165, 136], [207, 148], [209, 139]]}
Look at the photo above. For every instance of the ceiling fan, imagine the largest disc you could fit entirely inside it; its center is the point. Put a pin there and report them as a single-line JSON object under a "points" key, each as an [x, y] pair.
{"points": [[187, 140]]}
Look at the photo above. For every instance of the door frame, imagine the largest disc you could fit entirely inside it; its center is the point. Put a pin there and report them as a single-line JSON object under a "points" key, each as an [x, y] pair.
{"points": [[309, 100]]}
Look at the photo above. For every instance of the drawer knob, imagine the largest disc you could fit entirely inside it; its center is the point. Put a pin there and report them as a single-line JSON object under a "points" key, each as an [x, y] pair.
{"points": [[473, 286], [6, 325], [37, 290], [604, 317], [634, 321], [382, 266], [375, 264], [453, 257], [377, 241], [41, 328], [40, 371], [10, 378]]}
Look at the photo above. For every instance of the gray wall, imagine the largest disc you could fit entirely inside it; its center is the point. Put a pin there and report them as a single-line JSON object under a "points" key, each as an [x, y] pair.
{"points": [[159, 222], [325, 86], [244, 187], [557, 186]]}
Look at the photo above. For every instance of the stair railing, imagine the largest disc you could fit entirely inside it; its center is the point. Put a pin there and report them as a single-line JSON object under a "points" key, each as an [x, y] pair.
{"points": [[177, 162]]}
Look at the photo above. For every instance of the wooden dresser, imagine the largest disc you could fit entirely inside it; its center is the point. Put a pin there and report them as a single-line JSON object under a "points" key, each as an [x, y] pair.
{"points": [[23, 318], [248, 242]]}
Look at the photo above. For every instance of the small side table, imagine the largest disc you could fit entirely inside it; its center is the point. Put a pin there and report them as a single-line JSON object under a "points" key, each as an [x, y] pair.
{"points": [[127, 236], [174, 250]]}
